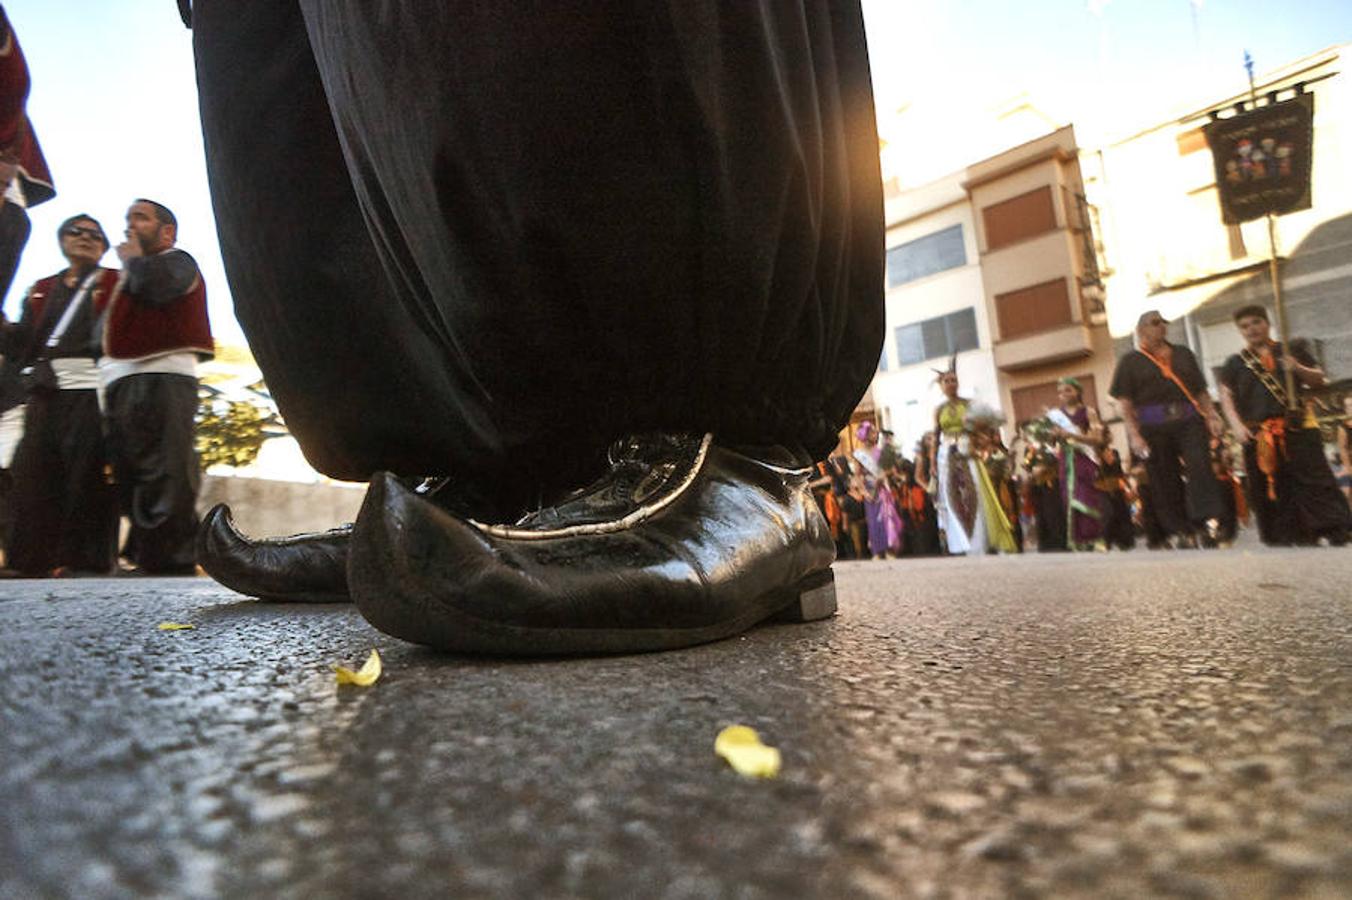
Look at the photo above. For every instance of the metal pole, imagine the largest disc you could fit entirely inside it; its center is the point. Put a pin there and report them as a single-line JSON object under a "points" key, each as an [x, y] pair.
{"points": [[1275, 272]]}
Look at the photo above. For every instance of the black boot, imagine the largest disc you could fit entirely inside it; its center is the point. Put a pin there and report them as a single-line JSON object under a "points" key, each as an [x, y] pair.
{"points": [[304, 568], [681, 542]]}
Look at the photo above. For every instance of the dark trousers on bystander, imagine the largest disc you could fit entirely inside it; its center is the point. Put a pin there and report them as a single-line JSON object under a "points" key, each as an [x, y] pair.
{"points": [[63, 510], [150, 439]]}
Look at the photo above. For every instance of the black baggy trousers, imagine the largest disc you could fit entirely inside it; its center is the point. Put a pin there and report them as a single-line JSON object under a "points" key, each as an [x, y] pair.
{"points": [[1309, 504], [490, 238], [1176, 449], [155, 463], [64, 508]]}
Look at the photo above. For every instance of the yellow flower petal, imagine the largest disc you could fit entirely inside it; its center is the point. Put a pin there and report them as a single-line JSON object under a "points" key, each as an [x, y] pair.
{"points": [[743, 750], [175, 626], [365, 677]]}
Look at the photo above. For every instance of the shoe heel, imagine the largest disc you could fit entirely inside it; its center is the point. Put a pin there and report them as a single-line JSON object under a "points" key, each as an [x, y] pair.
{"points": [[814, 599]]}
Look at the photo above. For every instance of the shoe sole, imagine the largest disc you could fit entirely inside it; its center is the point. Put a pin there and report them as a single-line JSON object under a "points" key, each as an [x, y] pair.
{"points": [[815, 600], [812, 600], [298, 597]]}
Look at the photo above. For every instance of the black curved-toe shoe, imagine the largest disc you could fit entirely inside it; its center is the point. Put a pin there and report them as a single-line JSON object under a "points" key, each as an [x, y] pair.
{"points": [[303, 568], [681, 542]]}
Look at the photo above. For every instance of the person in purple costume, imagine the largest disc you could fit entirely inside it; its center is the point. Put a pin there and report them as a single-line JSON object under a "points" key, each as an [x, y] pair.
{"points": [[880, 509], [1079, 467]]}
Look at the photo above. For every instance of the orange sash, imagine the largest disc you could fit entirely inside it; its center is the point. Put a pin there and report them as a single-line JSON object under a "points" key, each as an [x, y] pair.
{"points": [[1270, 448], [1168, 372], [834, 515]]}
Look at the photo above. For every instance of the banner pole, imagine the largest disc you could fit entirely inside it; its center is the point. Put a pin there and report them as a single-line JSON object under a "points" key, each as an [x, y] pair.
{"points": [[1280, 308], [1274, 271]]}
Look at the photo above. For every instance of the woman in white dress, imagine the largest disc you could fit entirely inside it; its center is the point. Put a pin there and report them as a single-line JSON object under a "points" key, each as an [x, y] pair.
{"points": [[957, 501]]}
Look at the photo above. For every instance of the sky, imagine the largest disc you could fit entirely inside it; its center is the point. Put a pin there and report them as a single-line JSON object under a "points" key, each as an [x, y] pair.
{"points": [[114, 99]]}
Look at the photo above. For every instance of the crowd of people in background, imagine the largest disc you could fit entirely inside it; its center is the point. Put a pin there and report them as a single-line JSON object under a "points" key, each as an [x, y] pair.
{"points": [[1189, 478]]}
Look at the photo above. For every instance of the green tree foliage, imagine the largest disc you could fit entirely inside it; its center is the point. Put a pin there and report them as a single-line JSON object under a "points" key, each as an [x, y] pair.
{"points": [[229, 431]]}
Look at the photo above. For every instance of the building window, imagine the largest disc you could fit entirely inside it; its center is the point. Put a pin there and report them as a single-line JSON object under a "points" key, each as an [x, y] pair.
{"points": [[926, 256], [1019, 218], [882, 360], [936, 338], [1034, 309]]}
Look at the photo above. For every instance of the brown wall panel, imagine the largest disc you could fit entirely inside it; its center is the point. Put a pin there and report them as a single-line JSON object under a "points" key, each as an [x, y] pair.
{"points": [[1030, 401], [1191, 142], [1019, 218], [1033, 309]]}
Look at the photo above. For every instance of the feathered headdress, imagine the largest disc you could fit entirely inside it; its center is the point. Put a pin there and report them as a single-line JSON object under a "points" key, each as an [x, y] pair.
{"points": [[951, 370]]}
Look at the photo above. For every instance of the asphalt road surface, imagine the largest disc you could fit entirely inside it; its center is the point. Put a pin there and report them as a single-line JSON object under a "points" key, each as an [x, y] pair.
{"points": [[1101, 725]]}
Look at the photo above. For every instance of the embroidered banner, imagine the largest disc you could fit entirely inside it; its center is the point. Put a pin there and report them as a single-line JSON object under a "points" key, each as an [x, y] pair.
{"points": [[1263, 159]]}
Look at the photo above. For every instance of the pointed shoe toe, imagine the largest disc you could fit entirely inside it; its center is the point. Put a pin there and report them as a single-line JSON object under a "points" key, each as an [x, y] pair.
{"points": [[303, 568], [411, 568], [681, 548]]}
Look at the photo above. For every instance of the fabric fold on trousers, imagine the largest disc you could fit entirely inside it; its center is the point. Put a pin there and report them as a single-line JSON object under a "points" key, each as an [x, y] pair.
{"points": [[508, 236]]}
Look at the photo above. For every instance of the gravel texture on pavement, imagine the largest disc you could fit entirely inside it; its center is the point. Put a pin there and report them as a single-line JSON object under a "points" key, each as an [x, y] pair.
{"points": [[1102, 725]]}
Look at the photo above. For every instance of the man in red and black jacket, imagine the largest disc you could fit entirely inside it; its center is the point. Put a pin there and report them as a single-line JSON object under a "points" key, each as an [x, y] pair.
{"points": [[155, 333], [24, 179], [64, 510]]}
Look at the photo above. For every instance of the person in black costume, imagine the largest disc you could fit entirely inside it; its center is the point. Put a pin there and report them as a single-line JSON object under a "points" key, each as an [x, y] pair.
{"points": [[1222, 466], [1344, 442], [64, 507], [1118, 530], [1292, 491], [1168, 413], [920, 536], [612, 273], [1043, 488]]}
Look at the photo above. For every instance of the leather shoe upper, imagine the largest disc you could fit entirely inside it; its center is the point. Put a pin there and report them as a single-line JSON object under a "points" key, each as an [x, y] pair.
{"points": [[683, 541], [304, 567]]}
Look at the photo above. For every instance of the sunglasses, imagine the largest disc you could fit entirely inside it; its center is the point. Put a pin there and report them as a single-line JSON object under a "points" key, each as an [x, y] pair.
{"points": [[78, 231]]}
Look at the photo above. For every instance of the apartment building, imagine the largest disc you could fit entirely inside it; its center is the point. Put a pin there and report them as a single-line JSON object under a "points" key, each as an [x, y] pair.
{"points": [[997, 264], [1039, 266], [935, 308]]}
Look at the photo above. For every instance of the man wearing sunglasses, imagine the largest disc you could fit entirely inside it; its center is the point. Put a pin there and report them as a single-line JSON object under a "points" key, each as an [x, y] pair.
{"points": [[1170, 419], [64, 509], [156, 331]]}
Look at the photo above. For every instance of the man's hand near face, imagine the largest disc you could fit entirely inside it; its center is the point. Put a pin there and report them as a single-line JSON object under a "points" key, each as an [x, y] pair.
{"points": [[129, 249]]}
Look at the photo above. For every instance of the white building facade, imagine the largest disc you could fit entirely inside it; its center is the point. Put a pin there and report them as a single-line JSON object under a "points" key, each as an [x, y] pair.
{"points": [[935, 309]]}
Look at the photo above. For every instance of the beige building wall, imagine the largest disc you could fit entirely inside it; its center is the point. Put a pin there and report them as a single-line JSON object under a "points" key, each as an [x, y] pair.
{"points": [[264, 507], [1168, 249], [1004, 370], [905, 395], [1032, 348]]}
